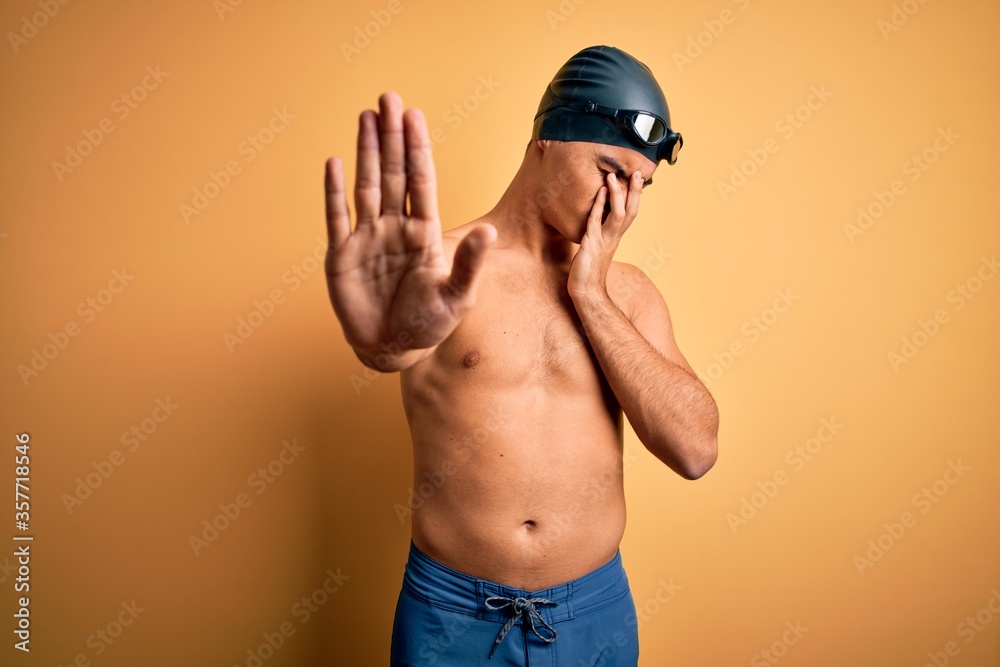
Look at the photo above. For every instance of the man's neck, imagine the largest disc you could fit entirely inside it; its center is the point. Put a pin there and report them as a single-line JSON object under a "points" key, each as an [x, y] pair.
{"points": [[521, 225]]}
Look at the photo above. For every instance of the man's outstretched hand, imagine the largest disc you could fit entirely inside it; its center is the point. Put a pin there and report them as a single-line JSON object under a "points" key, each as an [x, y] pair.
{"points": [[390, 283]]}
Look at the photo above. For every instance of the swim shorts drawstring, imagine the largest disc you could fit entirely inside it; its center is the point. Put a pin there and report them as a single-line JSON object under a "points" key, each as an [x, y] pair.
{"points": [[521, 607]]}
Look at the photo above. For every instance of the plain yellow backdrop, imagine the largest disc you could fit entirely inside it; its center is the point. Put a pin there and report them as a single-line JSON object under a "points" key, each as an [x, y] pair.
{"points": [[853, 358]]}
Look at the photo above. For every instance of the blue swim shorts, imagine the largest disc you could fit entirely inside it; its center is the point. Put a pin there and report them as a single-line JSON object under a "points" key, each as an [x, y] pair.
{"points": [[445, 618]]}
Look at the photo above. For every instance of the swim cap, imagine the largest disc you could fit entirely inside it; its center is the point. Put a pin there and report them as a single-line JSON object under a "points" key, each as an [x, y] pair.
{"points": [[608, 78]]}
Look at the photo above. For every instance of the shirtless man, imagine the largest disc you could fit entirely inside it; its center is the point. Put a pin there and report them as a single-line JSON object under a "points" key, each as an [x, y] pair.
{"points": [[520, 343]]}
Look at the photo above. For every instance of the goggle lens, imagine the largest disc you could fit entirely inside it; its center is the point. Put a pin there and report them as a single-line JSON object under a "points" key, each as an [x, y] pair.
{"points": [[648, 128]]}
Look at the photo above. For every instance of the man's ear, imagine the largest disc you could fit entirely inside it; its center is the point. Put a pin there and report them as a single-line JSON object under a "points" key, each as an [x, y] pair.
{"points": [[542, 144]]}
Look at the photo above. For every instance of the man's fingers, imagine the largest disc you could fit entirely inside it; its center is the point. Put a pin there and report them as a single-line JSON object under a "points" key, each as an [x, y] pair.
{"points": [[338, 217], [421, 177], [594, 222], [393, 153], [617, 201], [368, 183], [469, 258], [632, 205]]}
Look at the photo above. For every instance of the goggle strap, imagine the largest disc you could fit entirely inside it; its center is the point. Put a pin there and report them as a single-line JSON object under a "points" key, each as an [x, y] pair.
{"points": [[591, 107], [669, 146]]}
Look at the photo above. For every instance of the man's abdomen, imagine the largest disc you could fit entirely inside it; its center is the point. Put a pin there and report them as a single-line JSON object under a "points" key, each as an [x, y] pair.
{"points": [[523, 488]]}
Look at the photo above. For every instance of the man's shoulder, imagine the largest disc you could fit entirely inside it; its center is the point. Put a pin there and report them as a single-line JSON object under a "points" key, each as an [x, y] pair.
{"points": [[629, 287], [629, 278]]}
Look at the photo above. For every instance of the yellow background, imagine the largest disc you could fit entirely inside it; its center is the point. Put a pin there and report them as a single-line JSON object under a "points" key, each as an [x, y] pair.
{"points": [[826, 357]]}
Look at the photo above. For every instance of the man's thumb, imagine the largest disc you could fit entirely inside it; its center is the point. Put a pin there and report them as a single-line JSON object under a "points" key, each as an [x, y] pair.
{"points": [[469, 258]]}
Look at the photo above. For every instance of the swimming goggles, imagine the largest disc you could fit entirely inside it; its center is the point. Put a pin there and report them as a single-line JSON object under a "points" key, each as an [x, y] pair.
{"points": [[647, 128]]}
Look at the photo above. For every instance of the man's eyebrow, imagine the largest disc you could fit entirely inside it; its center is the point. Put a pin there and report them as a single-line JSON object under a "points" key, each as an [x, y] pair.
{"points": [[620, 169]]}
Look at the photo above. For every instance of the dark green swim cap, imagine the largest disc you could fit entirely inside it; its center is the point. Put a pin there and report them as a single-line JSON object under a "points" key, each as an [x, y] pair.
{"points": [[604, 95]]}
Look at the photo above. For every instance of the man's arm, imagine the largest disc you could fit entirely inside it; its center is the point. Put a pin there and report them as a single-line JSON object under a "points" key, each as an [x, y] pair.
{"points": [[669, 408], [391, 287]]}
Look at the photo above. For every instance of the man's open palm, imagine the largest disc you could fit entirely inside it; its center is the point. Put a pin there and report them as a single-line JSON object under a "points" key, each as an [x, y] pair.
{"points": [[389, 279]]}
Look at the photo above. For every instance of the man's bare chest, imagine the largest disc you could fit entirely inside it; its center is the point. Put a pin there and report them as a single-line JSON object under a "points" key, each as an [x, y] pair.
{"points": [[523, 328]]}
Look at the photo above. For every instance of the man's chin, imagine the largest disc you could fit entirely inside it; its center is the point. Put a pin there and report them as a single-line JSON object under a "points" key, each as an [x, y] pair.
{"points": [[576, 236]]}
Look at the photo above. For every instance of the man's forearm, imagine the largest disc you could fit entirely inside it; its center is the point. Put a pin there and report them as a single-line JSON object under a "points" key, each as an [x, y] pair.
{"points": [[671, 411], [388, 360]]}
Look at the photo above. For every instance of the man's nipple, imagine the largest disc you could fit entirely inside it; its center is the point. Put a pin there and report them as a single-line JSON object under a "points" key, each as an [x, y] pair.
{"points": [[471, 359]]}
